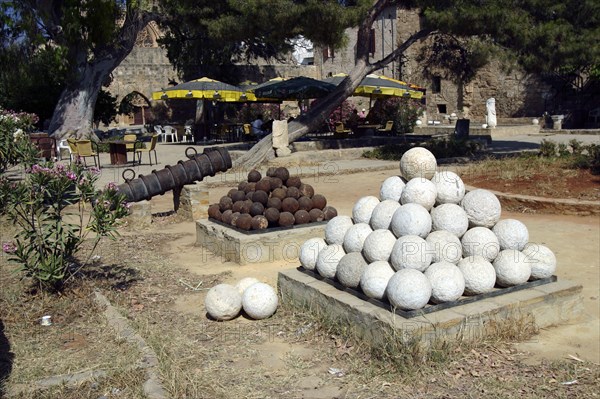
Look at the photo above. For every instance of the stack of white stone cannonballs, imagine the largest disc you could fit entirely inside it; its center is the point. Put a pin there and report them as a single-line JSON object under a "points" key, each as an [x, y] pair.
{"points": [[424, 240], [225, 301]]}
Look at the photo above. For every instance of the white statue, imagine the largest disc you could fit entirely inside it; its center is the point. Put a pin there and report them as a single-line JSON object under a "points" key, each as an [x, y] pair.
{"points": [[490, 117]]}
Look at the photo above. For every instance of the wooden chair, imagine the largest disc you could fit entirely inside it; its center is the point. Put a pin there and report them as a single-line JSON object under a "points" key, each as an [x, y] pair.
{"points": [[341, 131], [151, 148], [387, 129], [85, 150], [131, 144]]}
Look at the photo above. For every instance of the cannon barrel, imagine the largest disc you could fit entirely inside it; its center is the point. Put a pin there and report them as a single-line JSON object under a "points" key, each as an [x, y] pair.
{"points": [[197, 167]]}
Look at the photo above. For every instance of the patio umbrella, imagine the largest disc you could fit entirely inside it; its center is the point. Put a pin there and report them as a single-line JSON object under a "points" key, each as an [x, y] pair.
{"points": [[298, 88], [204, 89], [378, 86]]}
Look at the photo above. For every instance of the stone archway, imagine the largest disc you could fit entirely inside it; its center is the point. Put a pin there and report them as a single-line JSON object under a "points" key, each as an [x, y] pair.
{"points": [[136, 108]]}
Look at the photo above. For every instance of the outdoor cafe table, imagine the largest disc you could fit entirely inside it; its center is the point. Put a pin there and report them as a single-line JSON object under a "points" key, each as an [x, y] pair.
{"points": [[118, 151], [367, 130]]}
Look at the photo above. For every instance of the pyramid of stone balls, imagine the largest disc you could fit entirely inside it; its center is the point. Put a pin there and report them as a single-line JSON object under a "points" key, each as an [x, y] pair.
{"points": [[276, 200], [425, 240]]}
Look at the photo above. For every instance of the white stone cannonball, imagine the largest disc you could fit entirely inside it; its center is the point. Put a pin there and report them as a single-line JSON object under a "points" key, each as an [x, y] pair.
{"points": [[363, 208], [411, 219], [408, 289], [447, 282], [350, 269], [419, 191], [374, 279], [355, 237], [382, 214], [328, 260], [309, 251], [223, 302], [512, 234], [444, 246], [336, 229], [512, 268], [479, 274], [450, 187], [378, 245], [260, 301], [449, 217], [391, 188], [482, 208], [418, 162], [411, 252], [480, 241], [245, 283], [541, 259]]}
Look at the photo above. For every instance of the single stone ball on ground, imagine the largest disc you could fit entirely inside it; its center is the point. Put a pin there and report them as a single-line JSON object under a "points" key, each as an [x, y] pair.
{"points": [[214, 211], [378, 245], [226, 217], [307, 190], [242, 186], [234, 217], [450, 217], [391, 189], [223, 302], [444, 246], [541, 259], [450, 187], [259, 222], [286, 219], [249, 187], [381, 218], [264, 184], [272, 215], [289, 205], [260, 301], [336, 229], [305, 203], [419, 191], [282, 173], [274, 202], [293, 181], [363, 208], [480, 241], [225, 203], [329, 212], [319, 201], [512, 234], [254, 176], [328, 259], [447, 282], [309, 251], [275, 183], [512, 268], [260, 196], [244, 222], [408, 289], [301, 217], [374, 279], [482, 208], [411, 219], [350, 269], [245, 283], [479, 274], [238, 195], [257, 209], [355, 237], [293, 192], [280, 193], [411, 252], [316, 215], [231, 192], [418, 162]]}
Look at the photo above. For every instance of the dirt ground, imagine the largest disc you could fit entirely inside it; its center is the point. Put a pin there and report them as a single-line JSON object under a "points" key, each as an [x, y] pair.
{"points": [[575, 241]]}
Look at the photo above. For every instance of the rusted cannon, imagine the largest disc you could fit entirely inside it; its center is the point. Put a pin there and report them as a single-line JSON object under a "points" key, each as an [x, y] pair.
{"points": [[196, 168]]}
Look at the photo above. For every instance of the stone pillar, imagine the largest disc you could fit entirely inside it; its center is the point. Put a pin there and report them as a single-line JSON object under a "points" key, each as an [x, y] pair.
{"points": [[557, 122], [281, 139], [193, 202], [140, 215]]}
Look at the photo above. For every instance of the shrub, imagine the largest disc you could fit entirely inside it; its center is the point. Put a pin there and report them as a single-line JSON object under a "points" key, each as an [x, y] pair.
{"points": [[404, 113], [441, 148], [15, 145], [548, 148]]}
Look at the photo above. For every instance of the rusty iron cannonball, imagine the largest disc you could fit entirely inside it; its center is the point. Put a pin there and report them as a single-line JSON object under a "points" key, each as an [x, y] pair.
{"points": [[244, 222], [237, 206], [307, 190], [249, 187], [301, 217], [319, 201], [249, 195], [272, 215], [238, 195], [282, 173], [242, 185], [290, 205], [274, 202], [293, 192], [316, 215], [259, 222], [260, 196], [280, 193], [225, 203], [257, 209], [246, 207], [329, 212], [264, 185], [276, 182], [305, 203], [271, 171], [234, 217], [286, 219], [231, 192], [254, 176], [226, 216], [293, 181], [214, 211]]}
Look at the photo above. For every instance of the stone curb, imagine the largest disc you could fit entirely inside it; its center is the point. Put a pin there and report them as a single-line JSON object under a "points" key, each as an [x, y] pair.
{"points": [[68, 379]]}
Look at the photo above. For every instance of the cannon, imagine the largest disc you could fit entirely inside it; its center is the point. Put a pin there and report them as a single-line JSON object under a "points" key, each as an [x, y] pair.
{"points": [[198, 166]]}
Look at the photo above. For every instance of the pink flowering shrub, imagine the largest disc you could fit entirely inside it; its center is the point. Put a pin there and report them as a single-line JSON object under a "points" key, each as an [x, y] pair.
{"points": [[15, 145]]}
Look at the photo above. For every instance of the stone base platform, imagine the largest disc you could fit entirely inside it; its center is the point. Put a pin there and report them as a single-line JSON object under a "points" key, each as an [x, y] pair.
{"points": [[255, 247], [548, 304]]}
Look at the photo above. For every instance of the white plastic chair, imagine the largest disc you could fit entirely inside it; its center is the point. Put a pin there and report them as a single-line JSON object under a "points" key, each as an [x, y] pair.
{"points": [[187, 134], [159, 130], [62, 144], [169, 131]]}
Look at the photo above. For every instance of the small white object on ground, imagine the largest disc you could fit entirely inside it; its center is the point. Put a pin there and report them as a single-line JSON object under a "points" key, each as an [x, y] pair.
{"points": [[260, 301], [223, 302]]}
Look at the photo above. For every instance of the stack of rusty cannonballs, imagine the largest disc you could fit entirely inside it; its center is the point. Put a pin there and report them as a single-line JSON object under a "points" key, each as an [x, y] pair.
{"points": [[276, 200]]}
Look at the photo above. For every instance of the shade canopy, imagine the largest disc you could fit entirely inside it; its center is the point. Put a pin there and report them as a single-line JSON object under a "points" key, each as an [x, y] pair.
{"points": [[204, 89], [379, 86], [298, 88]]}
